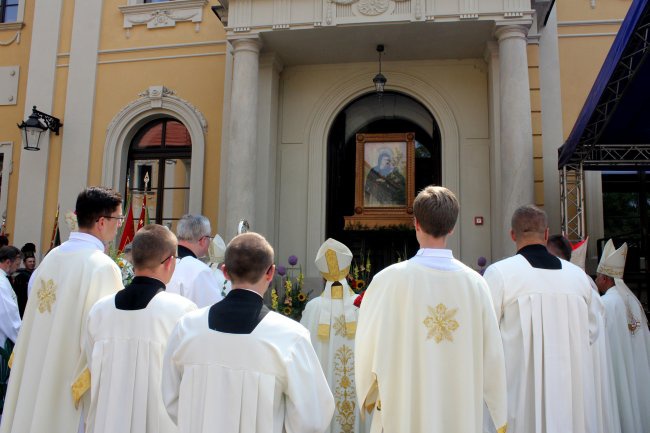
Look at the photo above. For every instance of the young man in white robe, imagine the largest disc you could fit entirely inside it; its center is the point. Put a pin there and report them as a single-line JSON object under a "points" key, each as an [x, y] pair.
{"points": [[10, 258], [192, 278], [629, 340], [331, 319], [543, 305], [239, 368], [428, 351], [605, 410], [49, 378], [127, 335]]}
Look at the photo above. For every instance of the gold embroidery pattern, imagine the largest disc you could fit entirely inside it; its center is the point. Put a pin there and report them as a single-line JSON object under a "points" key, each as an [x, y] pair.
{"points": [[339, 325], [440, 323], [46, 296], [633, 323], [344, 392]]}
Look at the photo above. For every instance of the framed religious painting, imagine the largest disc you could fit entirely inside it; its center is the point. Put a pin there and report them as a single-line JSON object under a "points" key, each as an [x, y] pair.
{"points": [[384, 181]]}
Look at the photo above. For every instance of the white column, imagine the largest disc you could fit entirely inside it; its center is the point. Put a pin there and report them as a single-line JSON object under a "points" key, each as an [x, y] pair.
{"points": [[552, 135], [242, 143], [267, 121], [491, 56], [79, 106], [517, 182], [32, 174]]}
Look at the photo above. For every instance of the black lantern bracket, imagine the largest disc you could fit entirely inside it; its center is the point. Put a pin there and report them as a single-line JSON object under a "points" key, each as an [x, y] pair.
{"points": [[379, 80], [33, 127]]}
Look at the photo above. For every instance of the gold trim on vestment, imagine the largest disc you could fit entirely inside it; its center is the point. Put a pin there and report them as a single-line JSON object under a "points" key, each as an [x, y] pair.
{"points": [[11, 360], [503, 428], [80, 386], [344, 395], [334, 274], [614, 272], [324, 330], [337, 292], [351, 329]]}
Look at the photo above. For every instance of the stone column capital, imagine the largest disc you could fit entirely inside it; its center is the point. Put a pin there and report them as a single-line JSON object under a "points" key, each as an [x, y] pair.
{"points": [[511, 31], [251, 44]]}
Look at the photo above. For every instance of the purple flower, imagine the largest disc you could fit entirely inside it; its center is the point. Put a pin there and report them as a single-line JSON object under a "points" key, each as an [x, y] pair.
{"points": [[281, 270], [482, 261], [293, 260]]}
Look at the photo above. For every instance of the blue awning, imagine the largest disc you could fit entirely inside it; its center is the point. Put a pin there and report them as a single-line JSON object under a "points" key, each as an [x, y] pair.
{"points": [[616, 111]]}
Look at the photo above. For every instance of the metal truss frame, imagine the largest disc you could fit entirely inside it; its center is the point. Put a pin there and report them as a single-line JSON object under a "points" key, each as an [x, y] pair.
{"points": [[572, 197], [592, 155]]}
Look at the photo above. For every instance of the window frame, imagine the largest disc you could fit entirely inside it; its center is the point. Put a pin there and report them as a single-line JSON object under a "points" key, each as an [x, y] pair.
{"points": [[161, 155]]}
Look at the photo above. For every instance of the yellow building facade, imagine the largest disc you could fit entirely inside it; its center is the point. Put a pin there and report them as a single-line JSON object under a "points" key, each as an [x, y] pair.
{"points": [[111, 72], [143, 91]]}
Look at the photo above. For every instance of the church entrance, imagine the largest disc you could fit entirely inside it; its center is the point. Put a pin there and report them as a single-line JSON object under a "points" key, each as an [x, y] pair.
{"points": [[392, 113]]}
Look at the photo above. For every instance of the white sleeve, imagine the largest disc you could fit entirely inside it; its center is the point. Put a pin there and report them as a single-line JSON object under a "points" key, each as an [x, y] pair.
{"points": [[9, 314], [171, 375], [205, 289], [495, 283], [309, 401]]}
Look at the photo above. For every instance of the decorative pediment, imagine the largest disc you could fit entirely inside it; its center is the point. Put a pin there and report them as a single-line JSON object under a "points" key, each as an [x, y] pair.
{"points": [[165, 14]]}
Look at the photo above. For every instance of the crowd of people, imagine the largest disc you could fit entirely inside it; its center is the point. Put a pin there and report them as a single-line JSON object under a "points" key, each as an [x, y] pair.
{"points": [[532, 346]]}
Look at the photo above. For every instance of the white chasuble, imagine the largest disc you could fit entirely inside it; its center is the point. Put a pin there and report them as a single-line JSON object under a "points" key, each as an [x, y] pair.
{"points": [[546, 325], [335, 350], [49, 378], [428, 351], [629, 342], [125, 351], [268, 381], [606, 408]]}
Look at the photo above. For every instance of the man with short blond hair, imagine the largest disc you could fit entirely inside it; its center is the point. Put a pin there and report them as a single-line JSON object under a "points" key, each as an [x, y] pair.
{"points": [[192, 278], [427, 351], [240, 367], [126, 338], [49, 379], [543, 305]]}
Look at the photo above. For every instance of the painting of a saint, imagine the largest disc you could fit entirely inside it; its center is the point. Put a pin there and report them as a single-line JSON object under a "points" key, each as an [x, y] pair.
{"points": [[384, 181]]}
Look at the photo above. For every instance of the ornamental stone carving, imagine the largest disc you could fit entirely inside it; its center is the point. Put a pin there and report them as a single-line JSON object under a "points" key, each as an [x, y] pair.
{"points": [[166, 14], [373, 7]]}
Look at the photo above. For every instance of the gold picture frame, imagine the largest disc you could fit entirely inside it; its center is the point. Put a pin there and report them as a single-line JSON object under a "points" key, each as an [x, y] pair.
{"points": [[384, 182]]}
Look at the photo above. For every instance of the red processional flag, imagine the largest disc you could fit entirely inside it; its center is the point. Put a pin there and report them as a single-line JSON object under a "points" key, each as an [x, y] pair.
{"points": [[144, 214], [127, 228]]}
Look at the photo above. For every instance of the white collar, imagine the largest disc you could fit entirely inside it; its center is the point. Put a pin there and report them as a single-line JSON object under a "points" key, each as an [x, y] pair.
{"points": [[87, 238], [435, 252]]}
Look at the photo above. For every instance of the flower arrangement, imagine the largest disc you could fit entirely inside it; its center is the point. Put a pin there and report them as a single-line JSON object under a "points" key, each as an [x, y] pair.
{"points": [[360, 276], [126, 268], [287, 296]]}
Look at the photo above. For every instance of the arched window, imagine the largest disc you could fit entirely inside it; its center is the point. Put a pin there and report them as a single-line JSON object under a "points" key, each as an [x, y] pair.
{"points": [[159, 167]]}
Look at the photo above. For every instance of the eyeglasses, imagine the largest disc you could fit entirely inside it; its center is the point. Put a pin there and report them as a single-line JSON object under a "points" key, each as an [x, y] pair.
{"points": [[207, 236], [119, 219], [171, 256]]}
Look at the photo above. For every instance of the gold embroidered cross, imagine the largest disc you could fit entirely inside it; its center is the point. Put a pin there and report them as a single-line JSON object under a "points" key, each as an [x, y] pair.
{"points": [[339, 325], [441, 323], [46, 296]]}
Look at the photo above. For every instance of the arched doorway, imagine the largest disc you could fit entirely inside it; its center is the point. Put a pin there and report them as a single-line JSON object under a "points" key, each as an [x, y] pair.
{"points": [[159, 166], [392, 113]]}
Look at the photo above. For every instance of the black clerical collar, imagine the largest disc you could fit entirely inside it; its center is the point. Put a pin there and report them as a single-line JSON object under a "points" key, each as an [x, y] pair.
{"points": [[539, 257], [138, 294], [185, 252], [239, 313]]}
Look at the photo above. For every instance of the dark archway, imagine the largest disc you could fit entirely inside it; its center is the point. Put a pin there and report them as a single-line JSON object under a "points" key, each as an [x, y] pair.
{"points": [[393, 113]]}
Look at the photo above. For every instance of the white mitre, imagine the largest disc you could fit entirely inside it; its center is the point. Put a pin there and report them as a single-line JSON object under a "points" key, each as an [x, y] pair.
{"points": [[333, 261], [217, 250], [579, 253], [612, 262]]}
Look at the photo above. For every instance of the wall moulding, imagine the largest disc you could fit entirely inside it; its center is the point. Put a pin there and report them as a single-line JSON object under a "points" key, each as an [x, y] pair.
{"points": [[161, 15], [154, 102]]}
